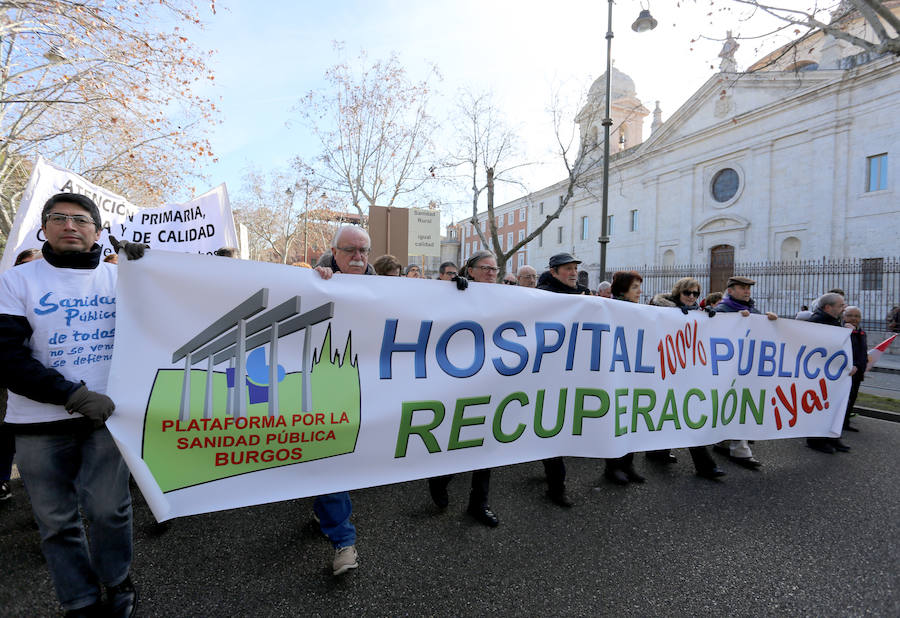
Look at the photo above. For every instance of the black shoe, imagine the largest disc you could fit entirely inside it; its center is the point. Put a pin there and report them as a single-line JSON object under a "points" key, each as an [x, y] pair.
{"points": [[712, 474], [837, 445], [91, 611], [438, 494], [616, 476], [750, 463], [818, 444], [849, 427], [121, 599], [632, 475], [484, 515], [560, 498], [664, 457]]}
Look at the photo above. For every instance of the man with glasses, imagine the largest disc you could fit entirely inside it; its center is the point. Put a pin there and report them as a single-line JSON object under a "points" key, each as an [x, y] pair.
{"points": [[58, 407], [349, 255], [828, 310], [447, 271], [526, 276], [349, 252]]}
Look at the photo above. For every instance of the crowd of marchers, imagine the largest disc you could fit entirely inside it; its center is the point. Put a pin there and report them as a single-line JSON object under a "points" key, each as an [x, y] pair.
{"points": [[53, 420]]}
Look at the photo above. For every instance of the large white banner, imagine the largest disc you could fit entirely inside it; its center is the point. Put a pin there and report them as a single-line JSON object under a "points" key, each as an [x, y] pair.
{"points": [[240, 383], [201, 225]]}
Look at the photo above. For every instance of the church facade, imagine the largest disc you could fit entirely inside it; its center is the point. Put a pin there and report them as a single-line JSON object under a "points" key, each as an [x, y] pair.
{"points": [[795, 160]]}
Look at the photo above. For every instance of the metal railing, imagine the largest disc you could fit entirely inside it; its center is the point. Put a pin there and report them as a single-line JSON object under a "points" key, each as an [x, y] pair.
{"points": [[783, 287]]}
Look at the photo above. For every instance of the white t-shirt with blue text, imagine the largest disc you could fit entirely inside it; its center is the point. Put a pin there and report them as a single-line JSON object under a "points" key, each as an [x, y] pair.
{"points": [[72, 313]]}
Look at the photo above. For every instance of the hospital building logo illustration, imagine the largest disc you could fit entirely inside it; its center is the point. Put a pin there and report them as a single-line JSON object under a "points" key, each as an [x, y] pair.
{"points": [[232, 408]]}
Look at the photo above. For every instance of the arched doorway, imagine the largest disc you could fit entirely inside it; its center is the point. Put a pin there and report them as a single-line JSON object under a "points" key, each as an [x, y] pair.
{"points": [[721, 267]]}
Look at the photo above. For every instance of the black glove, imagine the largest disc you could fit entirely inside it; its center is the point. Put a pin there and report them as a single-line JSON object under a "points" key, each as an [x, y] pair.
{"points": [[710, 312], [461, 282], [133, 250], [95, 406], [684, 309]]}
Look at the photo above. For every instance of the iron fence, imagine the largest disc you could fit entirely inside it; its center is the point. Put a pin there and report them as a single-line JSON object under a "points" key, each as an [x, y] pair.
{"points": [[783, 287]]}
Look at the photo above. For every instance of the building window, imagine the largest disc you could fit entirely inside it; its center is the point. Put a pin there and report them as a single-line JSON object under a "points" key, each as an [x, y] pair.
{"points": [[725, 184], [521, 259], [634, 221], [561, 200], [559, 235], [521, 235], [584, 228], [510, 218], [541, 207], [541, 239], [610, 224], [521, 215], [872, 274], [509, 240], [876, 175]]}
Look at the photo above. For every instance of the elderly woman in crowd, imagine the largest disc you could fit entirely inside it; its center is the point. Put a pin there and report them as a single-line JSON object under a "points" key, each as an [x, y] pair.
{"points": [[480, 268], [684, 296], [626, 285], [387, 265]]}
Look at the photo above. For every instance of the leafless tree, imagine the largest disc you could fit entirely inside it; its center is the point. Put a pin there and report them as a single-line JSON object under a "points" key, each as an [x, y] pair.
{"points": [[486, 152], [882, 34], [374, 131], [102, 89], [287, 214]]}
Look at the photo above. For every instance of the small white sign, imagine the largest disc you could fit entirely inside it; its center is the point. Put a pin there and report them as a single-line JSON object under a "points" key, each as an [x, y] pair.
{"points": [[424, 232]]}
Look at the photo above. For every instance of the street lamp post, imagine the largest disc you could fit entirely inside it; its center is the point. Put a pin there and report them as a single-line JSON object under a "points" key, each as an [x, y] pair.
{"points": [[306, 222], [643, 23]]}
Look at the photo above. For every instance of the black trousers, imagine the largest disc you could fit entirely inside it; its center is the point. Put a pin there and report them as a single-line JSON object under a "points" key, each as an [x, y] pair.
{"points": [[703, 461], [625, 462], [555, 468], [854, 391], [481, 485]]}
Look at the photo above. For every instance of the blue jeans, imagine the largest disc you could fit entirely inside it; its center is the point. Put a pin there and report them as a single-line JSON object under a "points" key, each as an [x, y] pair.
{"points": [[62, 473], [333, 511]]}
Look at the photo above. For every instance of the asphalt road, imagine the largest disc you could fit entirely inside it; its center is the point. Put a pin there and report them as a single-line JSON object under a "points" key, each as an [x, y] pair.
{"points": [[809, 535]]}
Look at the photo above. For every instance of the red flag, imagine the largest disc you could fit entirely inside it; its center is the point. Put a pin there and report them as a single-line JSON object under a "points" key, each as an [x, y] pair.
{"points": [[876, 352]]}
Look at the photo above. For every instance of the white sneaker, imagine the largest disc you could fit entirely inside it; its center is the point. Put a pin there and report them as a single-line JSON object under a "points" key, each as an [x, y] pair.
{"points": [[345, 558]]}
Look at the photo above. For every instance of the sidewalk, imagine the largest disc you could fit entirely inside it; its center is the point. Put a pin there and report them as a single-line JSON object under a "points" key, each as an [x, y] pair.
{"points": [[889, 363]]}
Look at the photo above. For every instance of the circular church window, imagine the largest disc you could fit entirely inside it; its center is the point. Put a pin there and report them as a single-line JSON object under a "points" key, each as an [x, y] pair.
{"points": [[725, 184]]}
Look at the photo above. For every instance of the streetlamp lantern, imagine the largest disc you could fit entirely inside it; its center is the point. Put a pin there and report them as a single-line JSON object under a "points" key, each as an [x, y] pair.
{"points": [[644, 22]]}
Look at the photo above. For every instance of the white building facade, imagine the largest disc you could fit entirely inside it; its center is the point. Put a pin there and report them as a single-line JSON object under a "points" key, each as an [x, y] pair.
{"points": [[785, 163]]}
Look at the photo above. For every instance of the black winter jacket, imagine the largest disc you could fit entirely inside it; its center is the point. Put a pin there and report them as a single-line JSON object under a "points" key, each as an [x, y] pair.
{"points": [[550, 283]]}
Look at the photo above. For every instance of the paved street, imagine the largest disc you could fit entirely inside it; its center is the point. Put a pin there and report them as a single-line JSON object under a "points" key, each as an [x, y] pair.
{"points": [[811, 534]]}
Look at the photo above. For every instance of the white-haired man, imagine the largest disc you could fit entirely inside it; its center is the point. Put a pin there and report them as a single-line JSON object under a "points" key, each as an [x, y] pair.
{"points": [[349, 255], [829, 308], [526, 276], [349, 252]]}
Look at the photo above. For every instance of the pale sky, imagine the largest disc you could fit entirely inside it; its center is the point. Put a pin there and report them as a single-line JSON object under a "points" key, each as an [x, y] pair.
{"points": [[270, 53]]}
